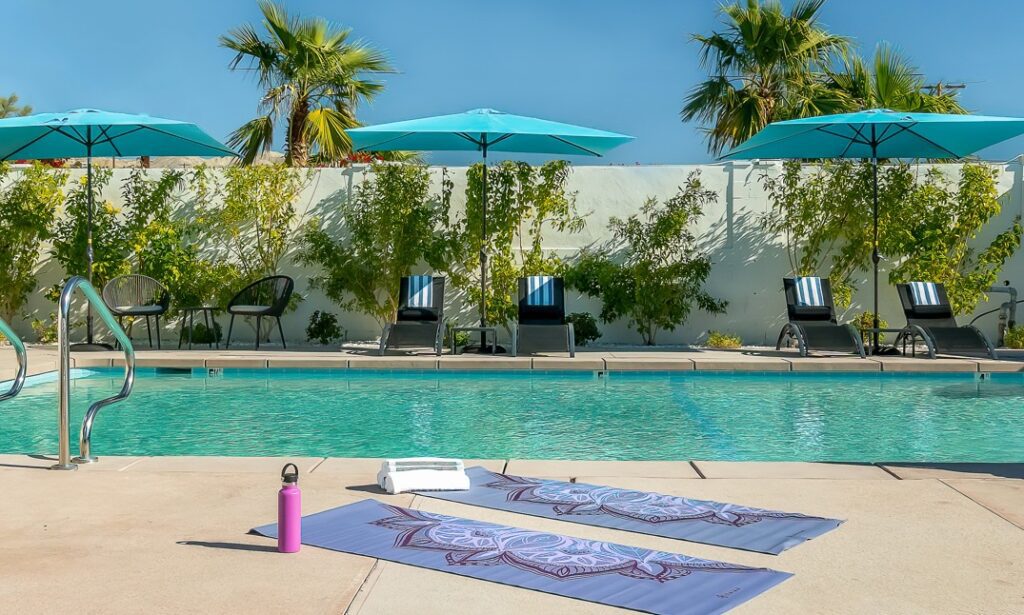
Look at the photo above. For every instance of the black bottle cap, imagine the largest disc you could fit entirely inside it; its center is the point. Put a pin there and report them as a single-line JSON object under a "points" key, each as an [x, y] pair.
{"points": [[290, 478]]}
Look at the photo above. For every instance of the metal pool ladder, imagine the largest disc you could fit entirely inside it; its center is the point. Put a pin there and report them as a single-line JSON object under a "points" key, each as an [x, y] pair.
{"points": [[19, 349], [65, 462]]}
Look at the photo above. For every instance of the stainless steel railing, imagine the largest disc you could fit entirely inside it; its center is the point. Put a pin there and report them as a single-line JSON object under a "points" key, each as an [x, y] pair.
{"points": [[19, 349], [64, 374]]}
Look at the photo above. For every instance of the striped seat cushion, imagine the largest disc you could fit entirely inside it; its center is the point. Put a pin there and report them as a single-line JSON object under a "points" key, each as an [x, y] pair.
{"points": [[809, 293], [421, 291], [540, 290], [924, 293]]}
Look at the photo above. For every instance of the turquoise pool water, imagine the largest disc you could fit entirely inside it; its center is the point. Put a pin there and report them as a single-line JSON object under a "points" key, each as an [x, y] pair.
{"points": [[710, 416]]}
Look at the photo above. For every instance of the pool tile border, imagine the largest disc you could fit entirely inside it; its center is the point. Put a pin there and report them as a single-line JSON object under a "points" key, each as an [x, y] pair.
{"points": [[583, 364], [667, 361]]}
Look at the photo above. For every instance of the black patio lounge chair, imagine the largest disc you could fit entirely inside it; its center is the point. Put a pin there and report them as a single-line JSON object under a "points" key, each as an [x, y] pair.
{"points": [[812, 319], [930, 319], [266, 297], [542, 326], [137, 296], [420, 319]]}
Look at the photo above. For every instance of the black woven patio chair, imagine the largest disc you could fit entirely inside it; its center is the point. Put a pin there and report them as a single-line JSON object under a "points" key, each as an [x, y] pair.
{"points": [[266, 297], [137, 295]]}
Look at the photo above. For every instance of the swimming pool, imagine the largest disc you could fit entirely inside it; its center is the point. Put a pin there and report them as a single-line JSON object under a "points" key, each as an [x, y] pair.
{"points": [[563, 415]]}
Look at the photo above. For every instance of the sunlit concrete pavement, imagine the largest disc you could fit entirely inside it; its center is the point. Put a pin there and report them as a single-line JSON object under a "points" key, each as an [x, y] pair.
{"points": [[169, 535]]}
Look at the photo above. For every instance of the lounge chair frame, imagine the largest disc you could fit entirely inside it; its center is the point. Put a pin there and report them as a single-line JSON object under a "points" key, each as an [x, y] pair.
{"points": [[809, 322], [936, 326], [532, 332], [417, 327]]}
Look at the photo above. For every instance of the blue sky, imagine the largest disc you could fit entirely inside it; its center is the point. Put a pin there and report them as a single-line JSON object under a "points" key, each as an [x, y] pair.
{"points": [[623, 66]]}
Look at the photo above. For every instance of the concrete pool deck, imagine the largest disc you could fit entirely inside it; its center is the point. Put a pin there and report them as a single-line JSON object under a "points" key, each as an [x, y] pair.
{"points": [[168, 534]]}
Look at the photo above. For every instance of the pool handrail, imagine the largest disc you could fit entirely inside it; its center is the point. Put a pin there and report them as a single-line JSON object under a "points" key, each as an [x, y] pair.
{"points": [[64, 461], [19, 350]]}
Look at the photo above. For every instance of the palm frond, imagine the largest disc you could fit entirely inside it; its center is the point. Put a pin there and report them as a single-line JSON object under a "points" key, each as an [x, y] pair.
{"points": [[278, 24], [325, 128], [253, 138], [250, 48], [890, 80]]}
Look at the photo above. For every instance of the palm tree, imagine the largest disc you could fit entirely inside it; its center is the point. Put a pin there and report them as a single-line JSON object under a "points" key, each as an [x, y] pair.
{"points": [[764, 67], [9, 107], [314, 77], [890, 82]]}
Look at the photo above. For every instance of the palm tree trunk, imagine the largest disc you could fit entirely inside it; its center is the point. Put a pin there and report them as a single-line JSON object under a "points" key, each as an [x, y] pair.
{"points": [[298, 148]]}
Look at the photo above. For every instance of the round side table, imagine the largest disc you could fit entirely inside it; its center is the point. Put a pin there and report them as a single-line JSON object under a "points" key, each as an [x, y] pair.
{"points": [[189, 314]]}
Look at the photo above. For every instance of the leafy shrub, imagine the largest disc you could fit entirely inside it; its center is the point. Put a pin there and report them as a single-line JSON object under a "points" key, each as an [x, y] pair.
{"points": [[1014, 337], [462, 338], [866, 320], [584, 326], [28, 208], [323, 328], [167, 248], [523, 203], [656, 274], [249, 216], [718, 339], [927, 228], [45, 330], [110, 240], [392, 224]]}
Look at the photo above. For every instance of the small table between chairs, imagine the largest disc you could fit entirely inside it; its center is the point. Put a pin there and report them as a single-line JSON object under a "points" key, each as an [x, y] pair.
{"points": [[493, 331], [189, 315], [869, 332]]}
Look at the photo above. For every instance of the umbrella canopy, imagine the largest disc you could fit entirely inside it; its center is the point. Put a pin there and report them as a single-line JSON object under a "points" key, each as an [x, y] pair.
{"points": [[879, 133], [875, 134], [84, 133], [486, 130]]}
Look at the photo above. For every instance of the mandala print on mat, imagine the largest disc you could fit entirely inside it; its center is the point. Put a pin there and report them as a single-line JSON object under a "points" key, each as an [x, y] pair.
{"points": [[580, 499], [475, 543]]}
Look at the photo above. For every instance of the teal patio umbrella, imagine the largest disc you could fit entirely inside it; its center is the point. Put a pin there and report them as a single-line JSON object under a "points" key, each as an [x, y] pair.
{"points": [[84, 133], [486, 130], [878, 134]]}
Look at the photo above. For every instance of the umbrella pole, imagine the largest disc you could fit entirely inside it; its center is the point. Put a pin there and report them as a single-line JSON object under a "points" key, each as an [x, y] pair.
{"points": [[88, 228], [874, 241], [483, 254], [89, 255]]}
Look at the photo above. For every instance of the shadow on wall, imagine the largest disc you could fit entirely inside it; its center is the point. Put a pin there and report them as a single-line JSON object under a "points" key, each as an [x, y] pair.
{"points": [[748, 267]]}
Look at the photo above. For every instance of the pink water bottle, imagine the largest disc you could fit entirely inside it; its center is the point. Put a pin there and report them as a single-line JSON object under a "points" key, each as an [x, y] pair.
{"points": [[289, 511]]}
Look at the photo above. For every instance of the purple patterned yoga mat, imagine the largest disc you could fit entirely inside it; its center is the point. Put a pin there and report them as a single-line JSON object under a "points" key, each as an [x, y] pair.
{"points": [[713, 523], [602, 572]]}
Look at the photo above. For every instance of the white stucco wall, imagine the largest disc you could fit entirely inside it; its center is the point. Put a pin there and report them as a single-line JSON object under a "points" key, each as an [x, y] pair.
{"points": [[748, 264]]}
